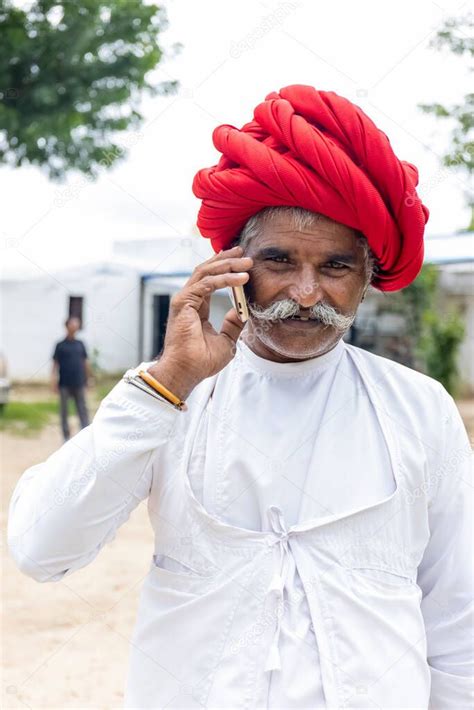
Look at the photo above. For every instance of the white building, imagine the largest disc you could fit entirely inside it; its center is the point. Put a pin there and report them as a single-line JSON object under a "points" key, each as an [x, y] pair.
{"points": [[124, 303]]}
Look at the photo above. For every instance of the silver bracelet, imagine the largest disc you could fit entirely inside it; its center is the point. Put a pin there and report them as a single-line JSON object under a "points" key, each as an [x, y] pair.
{"points": [[134, 379]]}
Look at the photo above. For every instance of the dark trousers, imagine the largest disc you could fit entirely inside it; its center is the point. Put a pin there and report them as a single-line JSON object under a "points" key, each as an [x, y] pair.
{"points": [[78, 395]]}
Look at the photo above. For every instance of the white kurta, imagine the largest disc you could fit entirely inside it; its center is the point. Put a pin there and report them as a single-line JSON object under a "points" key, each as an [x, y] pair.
{"points": [[278, 483], [241, 466]]}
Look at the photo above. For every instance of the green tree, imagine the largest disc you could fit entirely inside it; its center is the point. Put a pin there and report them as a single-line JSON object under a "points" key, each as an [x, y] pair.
{"points": [[456, 36], [439, 343], [435, 333], [71, 77], [438, 331]]}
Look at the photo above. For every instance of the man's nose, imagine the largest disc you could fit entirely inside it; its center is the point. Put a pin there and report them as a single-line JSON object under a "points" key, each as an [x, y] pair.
{"points": [[306, 290]]}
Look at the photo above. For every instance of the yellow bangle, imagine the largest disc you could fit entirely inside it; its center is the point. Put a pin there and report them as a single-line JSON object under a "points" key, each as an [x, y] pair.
{"points": [[161, 389]]}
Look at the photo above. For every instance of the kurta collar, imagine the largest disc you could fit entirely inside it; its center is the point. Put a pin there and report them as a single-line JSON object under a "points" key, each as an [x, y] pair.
{"points": [[291, 369]]}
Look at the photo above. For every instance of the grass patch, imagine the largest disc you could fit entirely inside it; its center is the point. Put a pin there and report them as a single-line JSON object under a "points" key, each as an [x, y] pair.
{"points": [[30, 417], [27, 417], [102, 390]]}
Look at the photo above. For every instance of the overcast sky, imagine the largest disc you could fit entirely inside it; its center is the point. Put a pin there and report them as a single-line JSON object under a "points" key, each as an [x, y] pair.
{"points": [[374, 53]]}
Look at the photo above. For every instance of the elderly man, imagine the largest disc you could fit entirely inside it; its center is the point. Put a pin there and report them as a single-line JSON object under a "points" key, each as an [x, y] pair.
{"points": [[310, 501]]}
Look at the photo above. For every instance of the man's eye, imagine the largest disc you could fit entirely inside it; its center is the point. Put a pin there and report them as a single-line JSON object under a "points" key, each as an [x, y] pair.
{"points": [[337, 265]]}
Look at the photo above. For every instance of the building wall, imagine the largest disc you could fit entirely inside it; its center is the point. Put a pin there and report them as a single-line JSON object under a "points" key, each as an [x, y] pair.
{"points": [[219, 306], [34, 312]]}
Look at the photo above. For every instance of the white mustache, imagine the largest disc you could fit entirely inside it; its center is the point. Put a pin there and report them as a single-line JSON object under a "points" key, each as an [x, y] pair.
{"points": [[287, 308]]}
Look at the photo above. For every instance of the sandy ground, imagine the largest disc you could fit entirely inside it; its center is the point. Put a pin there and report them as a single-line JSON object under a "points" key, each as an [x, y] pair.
{"points": [[66, 643]]}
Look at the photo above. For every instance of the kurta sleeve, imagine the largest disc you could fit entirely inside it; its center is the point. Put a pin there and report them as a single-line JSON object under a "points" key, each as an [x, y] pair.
{"points": [[65, 509], [446, 574]]}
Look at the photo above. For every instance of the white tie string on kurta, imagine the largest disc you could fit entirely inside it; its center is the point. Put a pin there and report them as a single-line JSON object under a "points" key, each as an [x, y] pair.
{"points": [[277, 584]]}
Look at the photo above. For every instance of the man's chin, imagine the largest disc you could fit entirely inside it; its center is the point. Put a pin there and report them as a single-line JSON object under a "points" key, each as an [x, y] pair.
{"points": [[300, 324], [288, 328], [298, 343]]}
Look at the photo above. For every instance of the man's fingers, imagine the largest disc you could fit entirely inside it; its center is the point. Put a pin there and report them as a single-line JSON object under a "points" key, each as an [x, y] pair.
{"points": [[224, 253], [221, 266], [235, 252], [212, 282], [232, 325], [235, 264], [194, 294], [230, 278]]}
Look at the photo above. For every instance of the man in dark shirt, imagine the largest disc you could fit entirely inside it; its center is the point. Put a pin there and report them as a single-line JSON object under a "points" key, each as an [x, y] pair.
{"points": [[70, 358]]}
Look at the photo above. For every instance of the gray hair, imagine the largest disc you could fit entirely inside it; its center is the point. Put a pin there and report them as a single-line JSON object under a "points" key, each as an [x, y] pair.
{"points": [[302, 219]]}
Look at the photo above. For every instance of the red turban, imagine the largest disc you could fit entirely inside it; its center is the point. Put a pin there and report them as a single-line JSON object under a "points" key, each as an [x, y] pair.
{"points": [[316, 150]]}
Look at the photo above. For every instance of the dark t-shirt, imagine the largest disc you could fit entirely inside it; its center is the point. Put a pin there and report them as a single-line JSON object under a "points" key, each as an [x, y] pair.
{"points": [[70, 356]]}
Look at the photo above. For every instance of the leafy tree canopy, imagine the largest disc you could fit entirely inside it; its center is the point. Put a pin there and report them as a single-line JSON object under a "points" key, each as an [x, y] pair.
{"points": [[71, 77], [456, 36]]}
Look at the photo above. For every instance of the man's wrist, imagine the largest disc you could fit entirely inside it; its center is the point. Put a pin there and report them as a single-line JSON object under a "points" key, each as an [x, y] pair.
{"points": [[172, 378]]}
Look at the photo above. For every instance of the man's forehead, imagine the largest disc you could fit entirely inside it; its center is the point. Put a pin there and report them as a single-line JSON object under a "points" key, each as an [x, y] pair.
{"points": [[324, 235]]}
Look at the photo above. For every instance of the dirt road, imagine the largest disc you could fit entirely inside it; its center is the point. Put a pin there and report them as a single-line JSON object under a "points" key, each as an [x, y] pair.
{"points": [[66, 643]]}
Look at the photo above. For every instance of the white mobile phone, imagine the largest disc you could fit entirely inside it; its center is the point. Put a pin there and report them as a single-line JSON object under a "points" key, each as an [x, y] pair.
{"points": [[237, 297]]}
